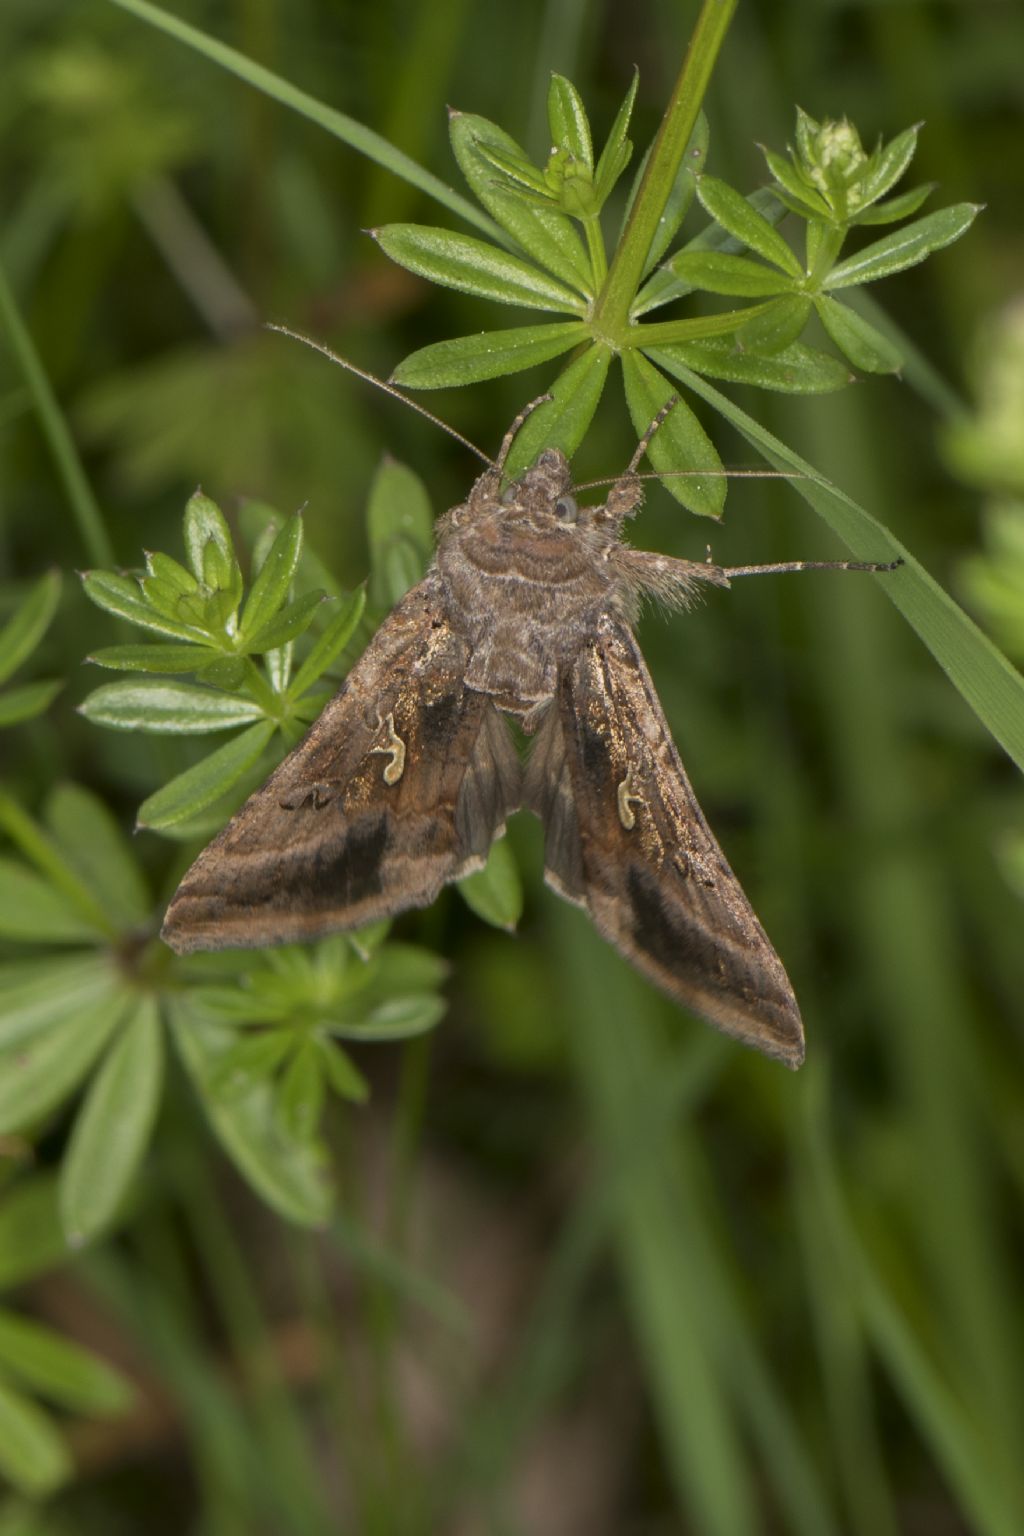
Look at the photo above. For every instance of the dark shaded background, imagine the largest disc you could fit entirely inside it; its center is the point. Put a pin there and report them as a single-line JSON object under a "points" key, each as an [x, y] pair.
{"points": [[702, 1294]]}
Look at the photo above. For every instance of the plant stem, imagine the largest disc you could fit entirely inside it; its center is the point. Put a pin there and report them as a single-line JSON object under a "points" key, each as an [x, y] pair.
{"points": [[87, 514], [611, 311]]}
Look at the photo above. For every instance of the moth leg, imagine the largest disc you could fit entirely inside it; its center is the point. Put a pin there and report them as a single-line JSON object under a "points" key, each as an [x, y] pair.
{"points": [[673, 582]]}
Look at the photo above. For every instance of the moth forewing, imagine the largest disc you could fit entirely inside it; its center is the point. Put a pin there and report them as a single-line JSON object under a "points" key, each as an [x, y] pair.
{"points": [[399, 787], [649, 871], [411, 771]]}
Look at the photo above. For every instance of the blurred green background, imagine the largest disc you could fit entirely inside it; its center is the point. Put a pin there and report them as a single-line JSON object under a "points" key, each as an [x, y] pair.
{"points": [[597, 1269]]}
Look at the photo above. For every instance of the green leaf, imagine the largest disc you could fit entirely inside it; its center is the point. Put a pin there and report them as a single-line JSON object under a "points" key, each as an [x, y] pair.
{"points": [[343, 1075], [397, 968], [328, 646], [31, 1240], [980, 673], [472, 266], [495, 892], [29, 623], [226, 672], [165, 659], [400, 527], [272, 584], [28, 701], [794, 191], [897, 207], [121, 596], [290, 1175], [205, 525], [487, 355], [287, 625], [39, 848], [32, 1454], [736, 215], [203, 784], [95, 845], [617, 149], [887, 167], [718, 272], [567, 120], [178, 709], [34, 912], [112, 1128], [35, 994], [300, 1099], [38, 1074], [905, 247], [544, 233], [856, 338], [680, 443], [663, 285], [59, 1370], [399, 1018], [255, 1055], [562, 421], [777, 327], [796, 369]]}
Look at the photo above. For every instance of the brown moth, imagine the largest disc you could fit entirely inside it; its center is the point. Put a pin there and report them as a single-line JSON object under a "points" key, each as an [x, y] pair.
{"points": [[409, 774]]}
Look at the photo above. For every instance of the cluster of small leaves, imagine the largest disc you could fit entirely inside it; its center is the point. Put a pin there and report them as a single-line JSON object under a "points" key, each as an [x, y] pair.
{"points": [[551, 264], [91, 1013], [211, 633], [19, 637], [834, 185]]}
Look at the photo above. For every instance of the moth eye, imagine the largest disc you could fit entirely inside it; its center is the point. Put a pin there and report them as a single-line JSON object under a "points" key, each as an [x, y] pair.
{"points": [[566, 509]]}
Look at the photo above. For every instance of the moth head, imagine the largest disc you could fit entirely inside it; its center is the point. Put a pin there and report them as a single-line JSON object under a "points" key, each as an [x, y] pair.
{"points": [[543, 487]]}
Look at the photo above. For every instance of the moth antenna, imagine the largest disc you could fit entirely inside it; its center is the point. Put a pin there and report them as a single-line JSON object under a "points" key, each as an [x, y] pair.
{"points": [[785, 566], [645, 442], [509, 438], [389, 389]]}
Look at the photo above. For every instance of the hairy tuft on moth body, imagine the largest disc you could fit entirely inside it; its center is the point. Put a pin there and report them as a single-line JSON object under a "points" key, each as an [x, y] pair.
{"points": [[410, 773]]}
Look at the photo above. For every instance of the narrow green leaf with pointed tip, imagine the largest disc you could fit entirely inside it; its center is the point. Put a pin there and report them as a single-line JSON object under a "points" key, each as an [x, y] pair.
{"points": [[113, 1126], [329, 646], [97, 848], [33, 1457], [740, 219], [204, 783], [179, 709], [495, 892], [679, 443], [473, 266], [488, 355], [905, 247], [38, 1074], [24, 630], [562, 421], [28, 701], [290, 1175], [59, 1370], [276, 573], [857, 338], [33, 911], [122, 597]]}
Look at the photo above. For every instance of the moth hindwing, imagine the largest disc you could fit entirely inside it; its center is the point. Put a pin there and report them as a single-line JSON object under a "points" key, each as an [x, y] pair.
{"points": [[411, 771]]}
